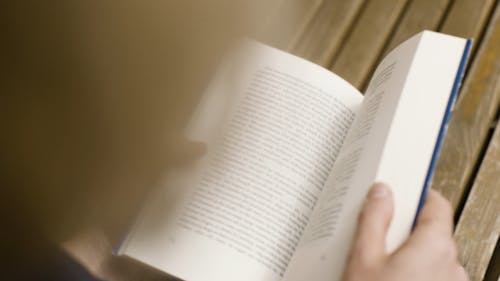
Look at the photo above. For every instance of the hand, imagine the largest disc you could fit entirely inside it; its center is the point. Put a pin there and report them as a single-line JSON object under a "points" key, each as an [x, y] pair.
{"points": [[123, 198], [429, 254], [180, 151]]}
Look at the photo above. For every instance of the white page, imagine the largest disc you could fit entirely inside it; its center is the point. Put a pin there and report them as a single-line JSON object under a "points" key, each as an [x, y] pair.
{"points": [[241, 212], [392, 140]]}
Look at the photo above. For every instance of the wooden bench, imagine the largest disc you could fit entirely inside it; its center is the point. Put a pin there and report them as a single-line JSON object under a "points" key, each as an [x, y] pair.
{"points": [[350, 38]]}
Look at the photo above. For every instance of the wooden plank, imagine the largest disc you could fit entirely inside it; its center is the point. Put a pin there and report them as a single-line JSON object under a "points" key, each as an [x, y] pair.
{"points": [[474, 112], [413, 20], [478, 229], [493, 272], [468, 18], [465, 18], [367, 40], [323, 35], [288, 22]]}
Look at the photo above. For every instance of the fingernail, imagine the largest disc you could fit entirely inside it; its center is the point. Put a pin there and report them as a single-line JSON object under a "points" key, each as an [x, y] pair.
{"points": [[378, 190]]}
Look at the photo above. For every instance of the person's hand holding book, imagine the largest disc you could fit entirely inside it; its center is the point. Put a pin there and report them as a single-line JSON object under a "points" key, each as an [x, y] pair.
{"points": [[429, 254]]}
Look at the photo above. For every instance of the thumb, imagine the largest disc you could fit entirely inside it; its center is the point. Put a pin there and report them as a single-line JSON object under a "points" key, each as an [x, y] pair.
{"points": [[182, 151], [373, 224]]}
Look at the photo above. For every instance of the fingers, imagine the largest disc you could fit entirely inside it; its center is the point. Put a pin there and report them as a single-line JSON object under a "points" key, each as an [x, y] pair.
{"points": [[436, 215], [429, 254], [458, 273], [182, 151], [373, 224], [432, 238], [452, 272]]}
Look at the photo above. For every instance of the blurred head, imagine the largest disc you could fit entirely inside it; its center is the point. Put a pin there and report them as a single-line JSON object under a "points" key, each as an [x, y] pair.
{"points": [[90, 93]]}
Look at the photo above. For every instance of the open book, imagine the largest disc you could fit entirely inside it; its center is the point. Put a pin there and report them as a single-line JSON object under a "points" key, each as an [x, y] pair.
{"points": [[292, 151]]}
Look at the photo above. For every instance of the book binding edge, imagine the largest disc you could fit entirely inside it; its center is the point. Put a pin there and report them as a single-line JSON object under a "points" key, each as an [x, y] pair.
{"points": [[444, 126]]}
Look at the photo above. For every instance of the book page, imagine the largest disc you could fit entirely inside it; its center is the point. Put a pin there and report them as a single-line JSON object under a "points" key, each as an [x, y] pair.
{"points": [[392, 140], [273, 134]]}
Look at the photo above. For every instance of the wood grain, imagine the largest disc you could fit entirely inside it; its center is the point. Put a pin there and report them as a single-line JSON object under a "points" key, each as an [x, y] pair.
{"points": [[473, 115], [478, 229], [323, 35], [467, 18], [288, 22], [493, 272], [413, 21], [366, 41]]}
